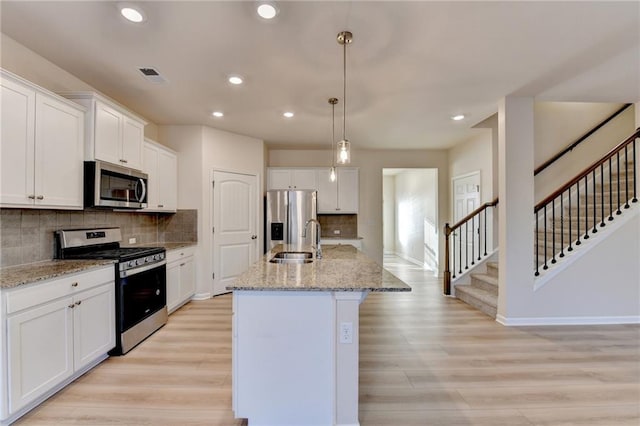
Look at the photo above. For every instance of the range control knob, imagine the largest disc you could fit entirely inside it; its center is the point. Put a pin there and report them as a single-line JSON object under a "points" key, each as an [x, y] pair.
{"points": [[131, 263]]}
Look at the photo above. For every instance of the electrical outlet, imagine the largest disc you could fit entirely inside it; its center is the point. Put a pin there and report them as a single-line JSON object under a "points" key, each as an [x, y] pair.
{"points": [[336, 232], [346, 332], [132, 240]]}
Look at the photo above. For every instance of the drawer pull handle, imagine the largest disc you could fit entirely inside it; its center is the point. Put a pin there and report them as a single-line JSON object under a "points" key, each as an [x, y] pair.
{"points": [[160, 205], [78, 302], [40, 197], [72, 306], [74, 284], [182, 264], [31, 197]]}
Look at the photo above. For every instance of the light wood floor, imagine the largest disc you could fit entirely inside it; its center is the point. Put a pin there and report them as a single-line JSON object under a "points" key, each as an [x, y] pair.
{"points": [[425, 360]]}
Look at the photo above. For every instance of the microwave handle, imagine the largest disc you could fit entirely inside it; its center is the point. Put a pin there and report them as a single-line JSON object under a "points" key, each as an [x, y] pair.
{"points": [[144, 190]]}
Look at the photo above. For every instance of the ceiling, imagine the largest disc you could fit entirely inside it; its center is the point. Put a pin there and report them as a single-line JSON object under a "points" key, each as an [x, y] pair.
{"points": [[412, 65]]}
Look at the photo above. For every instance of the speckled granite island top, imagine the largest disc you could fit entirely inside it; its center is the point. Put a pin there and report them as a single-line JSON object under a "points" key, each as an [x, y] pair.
{"points": [[342, 268], [14, 276]]}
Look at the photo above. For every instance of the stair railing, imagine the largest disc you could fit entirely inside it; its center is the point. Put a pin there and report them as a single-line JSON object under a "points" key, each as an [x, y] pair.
{"points": [[471, 246], [574, 212]]}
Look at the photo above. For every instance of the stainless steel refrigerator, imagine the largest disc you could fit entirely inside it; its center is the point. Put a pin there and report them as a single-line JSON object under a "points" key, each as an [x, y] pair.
{"points": [[286, 212]]}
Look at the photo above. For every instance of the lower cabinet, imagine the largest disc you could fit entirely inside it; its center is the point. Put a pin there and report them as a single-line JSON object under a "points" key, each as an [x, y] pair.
{"points": [[55, 330], [181, 277]]}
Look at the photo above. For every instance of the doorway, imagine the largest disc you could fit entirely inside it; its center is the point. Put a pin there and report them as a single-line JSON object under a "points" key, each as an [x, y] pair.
{"points": [[410, 217], [235, 224]]}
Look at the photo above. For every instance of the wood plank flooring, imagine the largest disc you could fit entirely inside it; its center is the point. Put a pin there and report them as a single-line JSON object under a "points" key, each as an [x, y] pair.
{"points": [[424, 360]]}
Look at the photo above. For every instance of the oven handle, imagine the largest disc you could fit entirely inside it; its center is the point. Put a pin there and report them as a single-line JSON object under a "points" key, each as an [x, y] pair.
{"points": [[135, 271], [140, 198]]}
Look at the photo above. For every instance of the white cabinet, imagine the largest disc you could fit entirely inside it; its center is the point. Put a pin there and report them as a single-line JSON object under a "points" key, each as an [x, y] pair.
{"points": [[341, 196], [113, 134], [56, 330], [42, 147], [285, 178], [181, 279], [161, 164]]}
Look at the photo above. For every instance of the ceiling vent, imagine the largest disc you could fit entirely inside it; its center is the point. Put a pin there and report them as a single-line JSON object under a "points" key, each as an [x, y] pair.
{"points": [[152, 75]]}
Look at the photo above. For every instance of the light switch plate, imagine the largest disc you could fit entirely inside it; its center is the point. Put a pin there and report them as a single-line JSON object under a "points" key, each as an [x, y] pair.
{"points": [[132, 240]]}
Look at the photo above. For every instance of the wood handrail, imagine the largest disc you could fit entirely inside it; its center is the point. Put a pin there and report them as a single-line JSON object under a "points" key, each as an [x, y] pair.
{"points": [[586, 171], [458, 224], [581, 139]]}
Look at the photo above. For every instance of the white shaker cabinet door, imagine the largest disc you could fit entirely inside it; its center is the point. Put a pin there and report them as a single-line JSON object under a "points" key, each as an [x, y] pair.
{"points": [[108, 133], [173, 285], [348, 190], [280, 179], [40, 346], [59, 151], [305, 179], [187, 279], [132, 141], [18, 112], [167, 178], [94, 324], [327, 192]]}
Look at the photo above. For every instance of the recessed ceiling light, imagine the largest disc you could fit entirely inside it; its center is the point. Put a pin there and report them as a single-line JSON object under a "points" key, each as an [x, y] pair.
{"points": [[267, 10], [288, 114], [218, 114], [458, 117], [235, 79], [132, 13]]}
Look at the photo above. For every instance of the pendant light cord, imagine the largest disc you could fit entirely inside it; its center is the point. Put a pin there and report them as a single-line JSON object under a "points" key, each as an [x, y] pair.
{"points": [[333, 133], [344, 92]]}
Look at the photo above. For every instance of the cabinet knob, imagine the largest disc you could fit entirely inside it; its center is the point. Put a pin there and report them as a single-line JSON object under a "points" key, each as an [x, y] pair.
{"points": [[182, 264], [78, 302], [125, 161], [74, 284], [253, 237], [160, 205], [72, 306], [31, 197], [40, 197]]}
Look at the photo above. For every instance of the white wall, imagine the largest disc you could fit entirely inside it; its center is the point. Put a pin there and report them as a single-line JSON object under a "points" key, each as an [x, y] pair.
{"points": [[389, 213], [600, 286], [201, 150], [558, 124], [471, 156], [26, 63], [371, 163], [416, 201]]}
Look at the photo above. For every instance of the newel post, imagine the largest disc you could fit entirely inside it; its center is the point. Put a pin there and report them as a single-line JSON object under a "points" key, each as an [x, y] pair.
{"points": [[447, 272]]}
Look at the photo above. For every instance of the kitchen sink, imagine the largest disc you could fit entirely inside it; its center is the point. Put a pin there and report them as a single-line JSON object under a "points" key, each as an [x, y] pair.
{"points": [[292, 257]]}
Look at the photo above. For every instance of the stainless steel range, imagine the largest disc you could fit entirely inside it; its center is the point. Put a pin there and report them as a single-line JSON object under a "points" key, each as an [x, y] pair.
{"points": [[140, 275]]}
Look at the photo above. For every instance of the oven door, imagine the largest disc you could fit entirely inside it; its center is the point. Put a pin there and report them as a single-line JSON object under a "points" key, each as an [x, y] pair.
{"points": [[142, 293]]}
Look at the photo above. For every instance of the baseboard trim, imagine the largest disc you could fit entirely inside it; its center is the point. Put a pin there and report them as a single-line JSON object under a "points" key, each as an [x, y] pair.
{"points": [[630, 319], [201, 296]]}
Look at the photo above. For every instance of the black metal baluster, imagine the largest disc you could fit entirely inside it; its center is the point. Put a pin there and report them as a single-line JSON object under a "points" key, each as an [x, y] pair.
{"points": [[466, 245], [595, 205], [453, 254], [561, 255], [618, 189], [626, 177], [610, 190], [545, 267], [578, 212], [479, 236], [473, 240], [635, 181], [537, 247], [570, 223], [460, 250], [485, 231], [586, 208], [602, 194], [553, 230]]}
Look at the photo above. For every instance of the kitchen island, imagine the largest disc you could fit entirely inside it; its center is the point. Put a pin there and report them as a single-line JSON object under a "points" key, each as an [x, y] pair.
{"points": [[295, 337]]}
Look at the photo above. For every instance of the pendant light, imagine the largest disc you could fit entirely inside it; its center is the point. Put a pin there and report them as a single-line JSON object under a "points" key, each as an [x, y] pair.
{"points": [[332, 173], [344, 147]]}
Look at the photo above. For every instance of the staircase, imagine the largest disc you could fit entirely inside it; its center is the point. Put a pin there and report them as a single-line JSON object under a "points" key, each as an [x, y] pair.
{"points": [[565, 220], [482, 293]]}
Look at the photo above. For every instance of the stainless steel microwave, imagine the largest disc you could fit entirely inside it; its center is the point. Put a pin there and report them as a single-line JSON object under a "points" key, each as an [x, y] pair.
{"points": [[109, 185]]}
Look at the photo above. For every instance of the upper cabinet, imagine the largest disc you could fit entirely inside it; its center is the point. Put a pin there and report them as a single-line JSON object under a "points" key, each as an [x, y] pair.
{"points": [[113, 134], [339, 197], [42, 147], [281, 178], [161, 164]]}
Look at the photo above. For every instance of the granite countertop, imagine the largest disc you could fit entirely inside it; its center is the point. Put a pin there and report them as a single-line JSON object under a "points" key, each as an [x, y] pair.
{"points": [[14, 276], [342, 268], [167, 246]]}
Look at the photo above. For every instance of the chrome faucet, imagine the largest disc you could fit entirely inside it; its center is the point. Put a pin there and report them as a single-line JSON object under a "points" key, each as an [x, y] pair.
{"points": [[318, 232]]}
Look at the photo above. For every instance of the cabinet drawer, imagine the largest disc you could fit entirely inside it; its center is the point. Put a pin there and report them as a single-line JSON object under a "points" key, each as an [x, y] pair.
{"points": [[38, 293], [175, 255]]}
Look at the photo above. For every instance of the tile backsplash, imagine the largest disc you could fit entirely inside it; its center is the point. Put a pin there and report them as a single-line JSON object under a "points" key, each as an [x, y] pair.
{"points": [[26, 235], [347, 224]]}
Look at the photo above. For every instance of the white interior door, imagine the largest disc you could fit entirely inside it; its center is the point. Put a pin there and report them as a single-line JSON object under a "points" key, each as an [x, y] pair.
{"points": [[466, 196], [235, 224]]}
